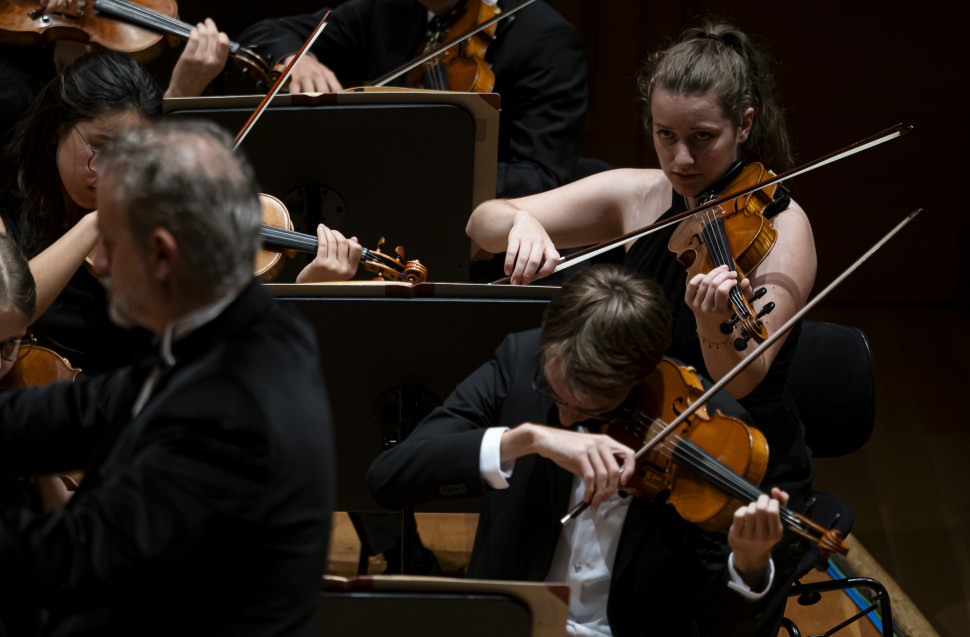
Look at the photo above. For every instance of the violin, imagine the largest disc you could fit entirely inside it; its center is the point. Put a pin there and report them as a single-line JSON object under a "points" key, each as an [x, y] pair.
{"points": [[23, 23], [120, 25], [734, 233], [708, 464], [38, 366], [461, 67], [277, 231]]}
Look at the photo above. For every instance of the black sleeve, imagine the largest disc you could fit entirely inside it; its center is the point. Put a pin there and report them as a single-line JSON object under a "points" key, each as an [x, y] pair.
{"points": [[540, 72], [342, 46], [441, 457], [55, 427]]}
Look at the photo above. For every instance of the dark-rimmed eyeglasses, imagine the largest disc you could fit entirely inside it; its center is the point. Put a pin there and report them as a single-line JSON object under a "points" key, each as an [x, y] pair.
{"points": [[94, 151], [9, 346], [542, 387]]}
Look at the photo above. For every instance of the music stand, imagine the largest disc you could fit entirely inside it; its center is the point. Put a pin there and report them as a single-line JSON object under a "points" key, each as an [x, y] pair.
{"points": [[408, 166]]}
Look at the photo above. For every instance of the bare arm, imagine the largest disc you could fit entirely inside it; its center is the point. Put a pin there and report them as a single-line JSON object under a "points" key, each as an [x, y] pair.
{"points": [[586, 212], [788, 273], [54, 267]]}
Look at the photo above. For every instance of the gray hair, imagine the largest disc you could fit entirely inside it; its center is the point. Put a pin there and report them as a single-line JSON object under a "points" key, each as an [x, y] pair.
{"points": [[184, 176]]}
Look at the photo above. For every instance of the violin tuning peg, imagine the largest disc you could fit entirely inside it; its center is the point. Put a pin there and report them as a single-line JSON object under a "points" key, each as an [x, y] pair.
{"points": [[768, 307], [728, 326], [399, 251], [760, 292], [740, 343]]}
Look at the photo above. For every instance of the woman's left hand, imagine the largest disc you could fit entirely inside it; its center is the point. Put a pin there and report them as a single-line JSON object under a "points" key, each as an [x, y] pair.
{"points": [[201, 61], [707, 296]]}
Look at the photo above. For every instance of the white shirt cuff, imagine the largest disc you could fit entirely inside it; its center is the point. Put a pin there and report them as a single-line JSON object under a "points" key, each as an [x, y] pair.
{"points": [[738, 584], [494, 472]]}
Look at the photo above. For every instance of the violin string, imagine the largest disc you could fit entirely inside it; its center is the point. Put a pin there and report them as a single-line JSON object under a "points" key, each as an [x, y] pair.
{"points": [[138, 13], [719, 248], [706, 466], [289, 238], [715, 472]]}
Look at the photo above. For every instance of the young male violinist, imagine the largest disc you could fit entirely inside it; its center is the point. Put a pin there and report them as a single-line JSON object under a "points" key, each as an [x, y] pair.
{"points": [[519, 434]]}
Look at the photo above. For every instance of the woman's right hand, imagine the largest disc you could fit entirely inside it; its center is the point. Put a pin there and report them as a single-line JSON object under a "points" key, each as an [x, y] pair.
{"points": [[531, 254]]}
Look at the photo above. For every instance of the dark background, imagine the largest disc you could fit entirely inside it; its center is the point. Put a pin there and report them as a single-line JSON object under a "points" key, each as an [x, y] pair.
{"points": [[844, 71]]}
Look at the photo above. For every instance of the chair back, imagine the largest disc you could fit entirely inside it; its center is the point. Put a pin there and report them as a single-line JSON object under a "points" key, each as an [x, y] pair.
{"points": [[832, 378]]}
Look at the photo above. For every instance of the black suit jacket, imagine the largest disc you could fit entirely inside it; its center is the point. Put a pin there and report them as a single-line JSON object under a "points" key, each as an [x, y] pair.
{"points": [[669, 577], [538, 61], [207, 513]]}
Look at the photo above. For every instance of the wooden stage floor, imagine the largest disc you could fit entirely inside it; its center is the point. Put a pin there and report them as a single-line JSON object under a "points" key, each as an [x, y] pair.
{"points": [[450, 536]]}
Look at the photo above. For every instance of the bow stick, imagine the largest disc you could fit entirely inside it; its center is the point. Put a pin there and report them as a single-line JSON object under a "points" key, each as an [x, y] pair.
{"points": [[737, 369], [588, 253], [285, 75]]}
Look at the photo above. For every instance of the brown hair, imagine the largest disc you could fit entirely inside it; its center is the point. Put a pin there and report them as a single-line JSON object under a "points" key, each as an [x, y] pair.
{"points": [[607, 328], [17, 289], [716, 58]]}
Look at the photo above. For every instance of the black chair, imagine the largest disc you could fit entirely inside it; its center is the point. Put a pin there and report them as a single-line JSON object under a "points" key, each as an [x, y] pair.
{"points": [[833, 381]]}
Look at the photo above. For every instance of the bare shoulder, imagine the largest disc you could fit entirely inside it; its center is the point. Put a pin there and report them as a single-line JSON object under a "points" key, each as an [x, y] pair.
{"points": [[647, 195], [794, 228]]}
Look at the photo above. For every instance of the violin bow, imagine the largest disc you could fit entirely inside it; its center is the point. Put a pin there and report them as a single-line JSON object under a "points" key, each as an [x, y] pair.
{"points": [[588, 253], [737, 369], [278, 84], [421, 59]]}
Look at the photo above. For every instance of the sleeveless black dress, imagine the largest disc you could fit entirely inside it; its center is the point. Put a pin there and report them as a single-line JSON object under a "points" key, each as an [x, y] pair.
{"points": [[770, 404]]}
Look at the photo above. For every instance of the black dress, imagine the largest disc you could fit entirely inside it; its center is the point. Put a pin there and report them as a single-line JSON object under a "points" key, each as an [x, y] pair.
{"points": [[770, 404]]}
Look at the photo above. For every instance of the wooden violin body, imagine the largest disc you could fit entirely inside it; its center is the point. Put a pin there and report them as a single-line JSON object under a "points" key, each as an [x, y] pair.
{"points": [[38, 366], [461, 67], [735, 234], [671, 467], [22, 23], [708, 465], [138, 28]]}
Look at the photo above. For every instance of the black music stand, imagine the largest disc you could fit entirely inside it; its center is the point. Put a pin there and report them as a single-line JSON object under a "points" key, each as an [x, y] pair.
{"points": [[397, 164], [417, 606]]}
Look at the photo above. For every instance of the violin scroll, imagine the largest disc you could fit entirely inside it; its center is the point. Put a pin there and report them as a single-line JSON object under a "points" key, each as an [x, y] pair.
{"points": [[389, 268]]}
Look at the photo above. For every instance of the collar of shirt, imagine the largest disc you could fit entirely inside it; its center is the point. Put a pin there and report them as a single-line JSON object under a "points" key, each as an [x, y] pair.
{"points": [[185, 325]]}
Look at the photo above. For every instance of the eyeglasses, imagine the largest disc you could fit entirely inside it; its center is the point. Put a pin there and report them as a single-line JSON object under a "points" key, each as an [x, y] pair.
{"points": [[94, 151], [8, 347], [541, 387]]}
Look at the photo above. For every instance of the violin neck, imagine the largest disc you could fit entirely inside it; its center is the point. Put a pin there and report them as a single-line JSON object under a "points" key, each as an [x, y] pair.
{"points": [[292, 240], [699, 462], [140, 16], [288, 239], [719, 250]]}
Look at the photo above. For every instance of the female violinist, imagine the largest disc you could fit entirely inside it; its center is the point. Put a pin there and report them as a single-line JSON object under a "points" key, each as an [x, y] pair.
{"points": [[708, 103], [49, 199]]}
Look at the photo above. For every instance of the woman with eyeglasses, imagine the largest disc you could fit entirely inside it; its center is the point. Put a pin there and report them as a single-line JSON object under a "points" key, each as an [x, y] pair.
{"points": [[48, 202]]}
